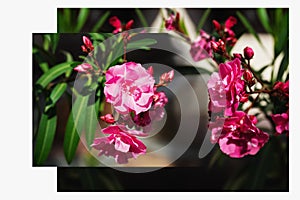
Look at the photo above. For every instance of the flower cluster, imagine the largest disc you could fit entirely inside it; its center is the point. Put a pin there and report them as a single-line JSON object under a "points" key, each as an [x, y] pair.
{"points": [[132, 92], [234, 130]]}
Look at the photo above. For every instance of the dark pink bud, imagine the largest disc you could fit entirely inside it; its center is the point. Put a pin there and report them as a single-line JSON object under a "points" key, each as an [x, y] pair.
{"points": [[88, 44], [238, 55], [248, 76], [218, 47], [248, 53], [216, 25], [115, 22], [108, 118], [230, 22], [129, 25]]}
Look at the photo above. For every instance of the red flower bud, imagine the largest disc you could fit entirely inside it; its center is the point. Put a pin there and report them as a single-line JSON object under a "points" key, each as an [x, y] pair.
{"points": [[218, 47], [244, 98], [216, 25], [230, 22], [248, 53], [108, 118], [238, 55], [248, 76]]}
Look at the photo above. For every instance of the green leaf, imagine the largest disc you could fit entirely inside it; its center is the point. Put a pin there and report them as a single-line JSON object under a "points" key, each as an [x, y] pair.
{"points": [[82, 17], [264, 19], [55, 95], [141, 17], [69, 58], [283, 67], [55, 72], [183, 27], [97, 36], [101, 21], [281, 36], [141, 43], [74, 127], [91, 122], [54, 38], [203, 18], [248, 26], [44, 138]]}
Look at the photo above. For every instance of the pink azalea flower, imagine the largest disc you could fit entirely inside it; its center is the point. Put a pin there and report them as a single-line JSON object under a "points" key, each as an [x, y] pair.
{"points": [[282, 122], [84, 67], [239, 136], [120, 144], [129, 87], [201, 47]]}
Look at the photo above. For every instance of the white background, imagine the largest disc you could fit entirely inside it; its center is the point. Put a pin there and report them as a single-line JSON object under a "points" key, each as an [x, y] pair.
{"points": [[19, 19]]}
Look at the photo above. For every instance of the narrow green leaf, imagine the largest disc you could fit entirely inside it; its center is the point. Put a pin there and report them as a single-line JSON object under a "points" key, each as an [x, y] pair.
{"points": [[281, 36], [74, 127], [203, 18], [55, 72], [82, 17], [141, 17], [69, 58], [57, 92], [283, 67], [141, 43], [264, 19], [183, 27], [54, 41], [91, 122], [44, 138], [97, 36], [67, 19], [248, 26], [101, 21]]}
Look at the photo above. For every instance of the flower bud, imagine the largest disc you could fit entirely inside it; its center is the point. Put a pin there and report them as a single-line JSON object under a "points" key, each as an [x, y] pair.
{"points": [[167, 77], [244, 98], [238, 55], [218, 47], [248, 76], [84, 67], [108, 118], [216, 25], [88, 44], [248, 53], [83, 48]]}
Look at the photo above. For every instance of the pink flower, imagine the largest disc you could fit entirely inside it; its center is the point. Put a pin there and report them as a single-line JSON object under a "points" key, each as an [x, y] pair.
{"points": [[84, 67], [282, 88], [172, 23], [226, 88], [119, 27], [282, 122], [231, 74], [201, 47], [217, 94], [120, 144], [239, 136], [129, 87]]}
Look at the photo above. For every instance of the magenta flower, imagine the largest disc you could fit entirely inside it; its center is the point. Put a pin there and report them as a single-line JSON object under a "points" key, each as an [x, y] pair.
{"points": [[281, 122], [238, 136], [119, 27], [231, 74], [226, 88], [84, 67], [129, 87], [120, 144], [201, 47]]}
